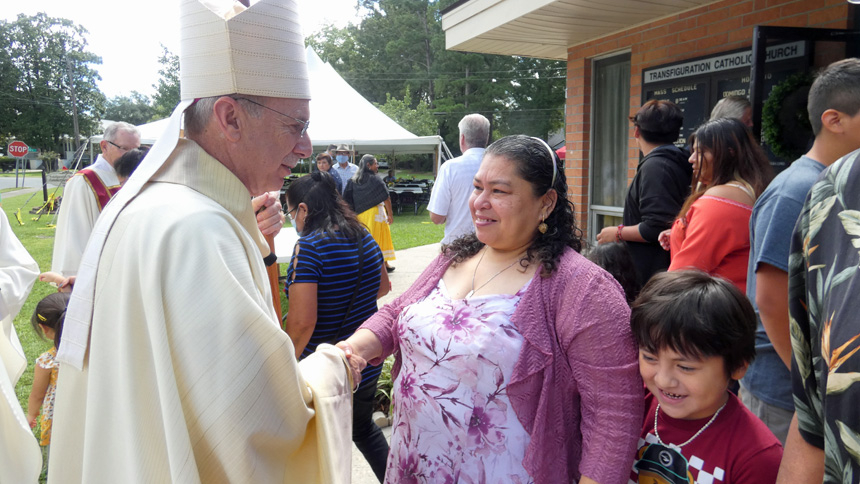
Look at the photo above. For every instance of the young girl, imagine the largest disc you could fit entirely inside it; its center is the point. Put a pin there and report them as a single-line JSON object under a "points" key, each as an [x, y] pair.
{"points": [[696, 333], [47, 321], [615, 259]]}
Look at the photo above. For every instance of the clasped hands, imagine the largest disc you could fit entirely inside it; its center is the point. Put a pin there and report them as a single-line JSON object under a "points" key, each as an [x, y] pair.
{"points": [[270, 214], [356, 362]]}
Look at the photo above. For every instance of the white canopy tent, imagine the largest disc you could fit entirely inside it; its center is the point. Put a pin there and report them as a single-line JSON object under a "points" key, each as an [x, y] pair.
{"points": [[339, 114]]}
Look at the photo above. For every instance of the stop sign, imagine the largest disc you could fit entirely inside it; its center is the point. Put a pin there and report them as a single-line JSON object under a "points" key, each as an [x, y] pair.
{"points": [[18, 148]]}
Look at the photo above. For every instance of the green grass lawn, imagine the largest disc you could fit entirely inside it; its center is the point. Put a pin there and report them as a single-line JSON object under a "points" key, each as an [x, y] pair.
{"points": [[408, 230]]}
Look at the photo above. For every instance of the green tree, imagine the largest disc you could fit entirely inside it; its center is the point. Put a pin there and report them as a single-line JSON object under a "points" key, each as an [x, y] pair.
{"points": [[134, 109], [538, 96], [43, 59], [399, 48], [167, 93], [419, 121]]}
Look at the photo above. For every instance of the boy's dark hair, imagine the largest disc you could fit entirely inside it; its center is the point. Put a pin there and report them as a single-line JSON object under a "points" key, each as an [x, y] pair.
{"points": [[696, 315], [127, 163], [615, 258], [51, 311], [659, 121], [837, 87]]}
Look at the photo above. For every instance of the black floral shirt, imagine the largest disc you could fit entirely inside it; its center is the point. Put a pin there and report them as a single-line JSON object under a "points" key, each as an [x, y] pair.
{"points": [[824, 305]]}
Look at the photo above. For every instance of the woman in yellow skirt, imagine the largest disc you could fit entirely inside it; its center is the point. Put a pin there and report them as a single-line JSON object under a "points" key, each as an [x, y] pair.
{"points": [[368, 197]]}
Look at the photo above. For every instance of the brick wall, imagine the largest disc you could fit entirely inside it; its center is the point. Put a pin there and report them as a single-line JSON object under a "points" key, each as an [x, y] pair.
{"points": [[719, 27]]}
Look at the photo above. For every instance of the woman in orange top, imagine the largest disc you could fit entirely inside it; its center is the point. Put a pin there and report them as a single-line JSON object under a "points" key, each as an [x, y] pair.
{"points": [[711, 233]]}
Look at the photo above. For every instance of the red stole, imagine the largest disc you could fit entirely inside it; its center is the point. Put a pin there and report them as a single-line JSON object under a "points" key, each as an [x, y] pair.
{"points": [[102, 192]]}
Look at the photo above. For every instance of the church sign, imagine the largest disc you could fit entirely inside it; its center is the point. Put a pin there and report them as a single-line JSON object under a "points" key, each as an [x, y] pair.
{"points": [[722, 62]]}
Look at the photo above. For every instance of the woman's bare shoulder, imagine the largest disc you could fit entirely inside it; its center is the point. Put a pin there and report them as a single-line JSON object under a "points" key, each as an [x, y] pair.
{"points": [[730, 192]]}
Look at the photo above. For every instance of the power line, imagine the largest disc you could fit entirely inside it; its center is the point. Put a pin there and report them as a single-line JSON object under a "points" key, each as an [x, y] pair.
{"points": [[470, 78]]}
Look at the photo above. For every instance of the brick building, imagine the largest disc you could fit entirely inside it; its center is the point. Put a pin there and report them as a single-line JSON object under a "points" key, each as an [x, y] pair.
{"points": [[621, 53]]}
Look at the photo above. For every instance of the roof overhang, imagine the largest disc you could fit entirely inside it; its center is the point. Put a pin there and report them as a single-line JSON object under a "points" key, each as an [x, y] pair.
{"points": [[547, 28]]}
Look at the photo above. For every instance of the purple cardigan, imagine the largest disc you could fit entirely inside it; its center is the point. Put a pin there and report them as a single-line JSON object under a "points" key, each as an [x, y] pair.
{"points": [[576, 379]]}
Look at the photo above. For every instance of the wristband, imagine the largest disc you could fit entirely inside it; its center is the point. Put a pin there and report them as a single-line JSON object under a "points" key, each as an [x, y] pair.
{"points": [[618, 237]]}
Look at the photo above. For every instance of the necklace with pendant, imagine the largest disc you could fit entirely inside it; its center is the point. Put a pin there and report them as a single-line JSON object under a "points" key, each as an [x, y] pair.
{"points": [[474, 289], [678, 447]]}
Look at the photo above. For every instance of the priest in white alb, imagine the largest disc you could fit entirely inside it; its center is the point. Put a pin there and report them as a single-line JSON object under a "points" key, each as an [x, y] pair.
{"points": [[20, 457], [174, 368], [85, 196]]}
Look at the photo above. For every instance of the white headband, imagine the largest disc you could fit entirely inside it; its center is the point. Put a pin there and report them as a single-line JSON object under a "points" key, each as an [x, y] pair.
{"points": [[552, 160]]}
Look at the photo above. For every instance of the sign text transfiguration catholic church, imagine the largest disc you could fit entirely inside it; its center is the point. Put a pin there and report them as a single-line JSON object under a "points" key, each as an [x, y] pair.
{"points": [[722, 62]]}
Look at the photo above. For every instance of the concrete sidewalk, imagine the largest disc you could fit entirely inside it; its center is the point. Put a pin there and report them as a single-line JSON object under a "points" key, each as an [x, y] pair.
{"points": [[409, 265]]}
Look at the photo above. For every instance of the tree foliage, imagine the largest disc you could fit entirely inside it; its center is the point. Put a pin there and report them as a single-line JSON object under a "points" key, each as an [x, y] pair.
{"points": [[167, 92], [42, 59], [419, 121], [134, 109], [399, 48]]}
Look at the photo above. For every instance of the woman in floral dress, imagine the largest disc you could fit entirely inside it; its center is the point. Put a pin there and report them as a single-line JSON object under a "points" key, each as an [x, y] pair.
{"points": [[515, 362]]}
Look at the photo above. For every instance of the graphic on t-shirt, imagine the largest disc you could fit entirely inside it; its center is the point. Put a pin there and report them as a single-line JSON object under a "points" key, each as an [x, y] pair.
{"points": [[658, 464]]}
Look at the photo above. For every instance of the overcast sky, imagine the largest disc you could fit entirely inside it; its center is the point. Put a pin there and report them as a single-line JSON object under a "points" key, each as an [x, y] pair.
{"points": [[128, 39]]}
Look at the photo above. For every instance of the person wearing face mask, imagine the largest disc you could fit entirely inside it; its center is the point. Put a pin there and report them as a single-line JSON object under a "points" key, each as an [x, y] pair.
{"points": [[343, 167]]}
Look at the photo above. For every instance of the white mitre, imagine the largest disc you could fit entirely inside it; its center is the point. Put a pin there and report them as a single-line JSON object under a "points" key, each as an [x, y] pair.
{"points": [[225, 48]]}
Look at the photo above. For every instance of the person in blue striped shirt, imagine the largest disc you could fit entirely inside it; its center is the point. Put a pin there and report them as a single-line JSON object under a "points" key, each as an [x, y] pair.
{"points": [[335, 276]]}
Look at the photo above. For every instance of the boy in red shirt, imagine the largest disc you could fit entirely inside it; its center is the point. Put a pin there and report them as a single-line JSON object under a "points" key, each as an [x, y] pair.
{"points": [[696, 333]]}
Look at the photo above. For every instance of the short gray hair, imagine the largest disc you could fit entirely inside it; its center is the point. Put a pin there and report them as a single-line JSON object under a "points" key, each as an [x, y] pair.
{"points": [[475, 128], [731, 107], [113, 130], [197, 115]]}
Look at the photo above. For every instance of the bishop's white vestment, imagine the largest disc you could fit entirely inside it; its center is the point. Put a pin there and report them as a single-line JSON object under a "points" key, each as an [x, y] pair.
{"points": [[188, 377], [78, 213], [20, 457]]}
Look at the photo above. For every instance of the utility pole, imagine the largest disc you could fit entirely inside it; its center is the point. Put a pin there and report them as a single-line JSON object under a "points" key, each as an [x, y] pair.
{"points": [[74, 102], [466, 94]]}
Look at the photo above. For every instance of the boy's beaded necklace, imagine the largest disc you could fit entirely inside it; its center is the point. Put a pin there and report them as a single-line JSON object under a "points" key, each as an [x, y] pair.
{"points": [[659, 441]]}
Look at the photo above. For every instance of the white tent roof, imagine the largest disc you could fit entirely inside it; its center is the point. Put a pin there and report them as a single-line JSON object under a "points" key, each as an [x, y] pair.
{"points": [[339, 114], [150, 132]]}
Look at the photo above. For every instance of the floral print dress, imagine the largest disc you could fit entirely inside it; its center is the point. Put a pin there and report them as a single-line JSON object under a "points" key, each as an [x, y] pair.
{"points": [[46, 417], [453, 421]]}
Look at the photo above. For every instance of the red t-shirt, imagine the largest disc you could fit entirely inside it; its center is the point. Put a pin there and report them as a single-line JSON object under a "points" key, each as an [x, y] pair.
{"points": [[736, 449]]}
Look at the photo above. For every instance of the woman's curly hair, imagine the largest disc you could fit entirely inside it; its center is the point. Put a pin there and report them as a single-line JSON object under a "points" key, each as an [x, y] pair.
{"points": [[534, 162]]}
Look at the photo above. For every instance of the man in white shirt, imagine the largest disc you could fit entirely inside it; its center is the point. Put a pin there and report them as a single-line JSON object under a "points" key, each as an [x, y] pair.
{"points": [[85, 196], [344, 168], [449, 202]]}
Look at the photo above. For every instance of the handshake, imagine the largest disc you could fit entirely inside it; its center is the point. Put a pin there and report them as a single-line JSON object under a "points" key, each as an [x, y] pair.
{"points": [[356, 363]]}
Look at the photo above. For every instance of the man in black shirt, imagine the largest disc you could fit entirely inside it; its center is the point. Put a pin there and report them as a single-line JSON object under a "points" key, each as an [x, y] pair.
{"points": [[658, 190]]}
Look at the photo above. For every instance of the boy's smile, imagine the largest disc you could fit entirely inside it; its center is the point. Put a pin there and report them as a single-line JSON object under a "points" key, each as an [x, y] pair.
{"points": [[687, 388]]}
